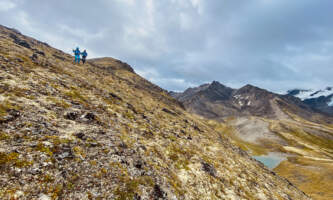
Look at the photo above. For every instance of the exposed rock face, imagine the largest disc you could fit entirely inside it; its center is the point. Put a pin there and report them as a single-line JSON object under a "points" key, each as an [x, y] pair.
{"points": [[96, 131]]}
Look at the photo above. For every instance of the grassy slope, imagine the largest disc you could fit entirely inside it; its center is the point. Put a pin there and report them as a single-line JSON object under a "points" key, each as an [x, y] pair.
{"points": [[308, 145], [314, 177]]}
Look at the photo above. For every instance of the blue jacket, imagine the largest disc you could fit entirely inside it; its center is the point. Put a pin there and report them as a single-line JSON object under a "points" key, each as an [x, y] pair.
{"points": [[77, 52], [84, 54]]}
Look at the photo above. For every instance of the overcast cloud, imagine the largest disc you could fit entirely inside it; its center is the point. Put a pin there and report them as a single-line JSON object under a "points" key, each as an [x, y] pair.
{"points": [[274, 44]]}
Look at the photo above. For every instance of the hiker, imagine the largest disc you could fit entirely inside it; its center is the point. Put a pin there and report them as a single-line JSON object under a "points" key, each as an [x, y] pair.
{"points": [[84, 55], [77, 54]]}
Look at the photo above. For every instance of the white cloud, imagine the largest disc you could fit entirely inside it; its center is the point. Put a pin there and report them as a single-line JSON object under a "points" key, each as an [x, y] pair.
{"points": [[6, 5], [273, 44]]}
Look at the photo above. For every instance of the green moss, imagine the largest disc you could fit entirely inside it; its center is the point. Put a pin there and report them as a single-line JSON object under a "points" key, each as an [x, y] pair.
{"points": [[127, 192], [42, 148], [58, 141], [79, 151], [182, 164], [129, 115], [22, 163], [4, 136], [126, 138], [74, 94], [176, 184], [47, 178], [57, 191], [5, 106], [147, 181], [13, 159], [58, 102], [31, 97], [173, 138], [174, 157], [180, 156], [129, 187], [248, 194], [181, 151], [70, 186], [18, 92], [8, 158]]}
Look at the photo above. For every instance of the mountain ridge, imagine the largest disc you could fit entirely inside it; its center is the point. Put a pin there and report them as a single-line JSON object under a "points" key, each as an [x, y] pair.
{"points": [[247, 100]]}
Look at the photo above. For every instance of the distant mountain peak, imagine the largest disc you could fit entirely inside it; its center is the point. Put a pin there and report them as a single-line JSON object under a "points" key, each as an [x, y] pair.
{"points": [[248, 87], [216, 83], [216, 100], [321, 99], [205, 98]]}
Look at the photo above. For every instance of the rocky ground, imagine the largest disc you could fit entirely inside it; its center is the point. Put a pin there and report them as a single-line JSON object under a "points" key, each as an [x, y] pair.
{"points": [[100, 131]]}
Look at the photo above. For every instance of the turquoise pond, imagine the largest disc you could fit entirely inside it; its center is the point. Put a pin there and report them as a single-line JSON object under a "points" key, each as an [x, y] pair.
{"points": [[269, 161]]}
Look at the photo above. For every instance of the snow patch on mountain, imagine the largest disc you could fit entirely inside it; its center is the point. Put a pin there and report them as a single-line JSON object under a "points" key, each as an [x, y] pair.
{"points": [[310, 94], [331, 103], [305, 94]]}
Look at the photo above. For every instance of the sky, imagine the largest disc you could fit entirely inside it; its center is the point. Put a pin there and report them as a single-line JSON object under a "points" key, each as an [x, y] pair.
{"points": [[176, 44]]}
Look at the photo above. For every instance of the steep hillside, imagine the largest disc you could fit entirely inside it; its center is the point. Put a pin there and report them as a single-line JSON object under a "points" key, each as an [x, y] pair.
{"points": [[282, 131], [100, 131]]}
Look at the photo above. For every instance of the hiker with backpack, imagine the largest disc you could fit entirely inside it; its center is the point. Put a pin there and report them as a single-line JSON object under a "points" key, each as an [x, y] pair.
{"points": [[77, 54], [84, 56]]}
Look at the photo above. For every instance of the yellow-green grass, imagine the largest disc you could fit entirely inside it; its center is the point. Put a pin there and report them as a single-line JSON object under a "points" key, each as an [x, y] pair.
{"points": [[313, 177]]}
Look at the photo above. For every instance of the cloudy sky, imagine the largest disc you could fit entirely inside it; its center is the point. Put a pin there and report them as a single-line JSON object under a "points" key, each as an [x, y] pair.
{"points": [[273, 44]]}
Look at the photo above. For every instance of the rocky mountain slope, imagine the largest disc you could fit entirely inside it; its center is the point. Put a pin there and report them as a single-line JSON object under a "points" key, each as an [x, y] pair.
{"points": [[275, 128], [100, 131], [216, 101], [321, 100]]}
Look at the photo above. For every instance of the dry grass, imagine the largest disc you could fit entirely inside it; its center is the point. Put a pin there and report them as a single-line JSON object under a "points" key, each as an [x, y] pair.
{"points": [[314, 177]]}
